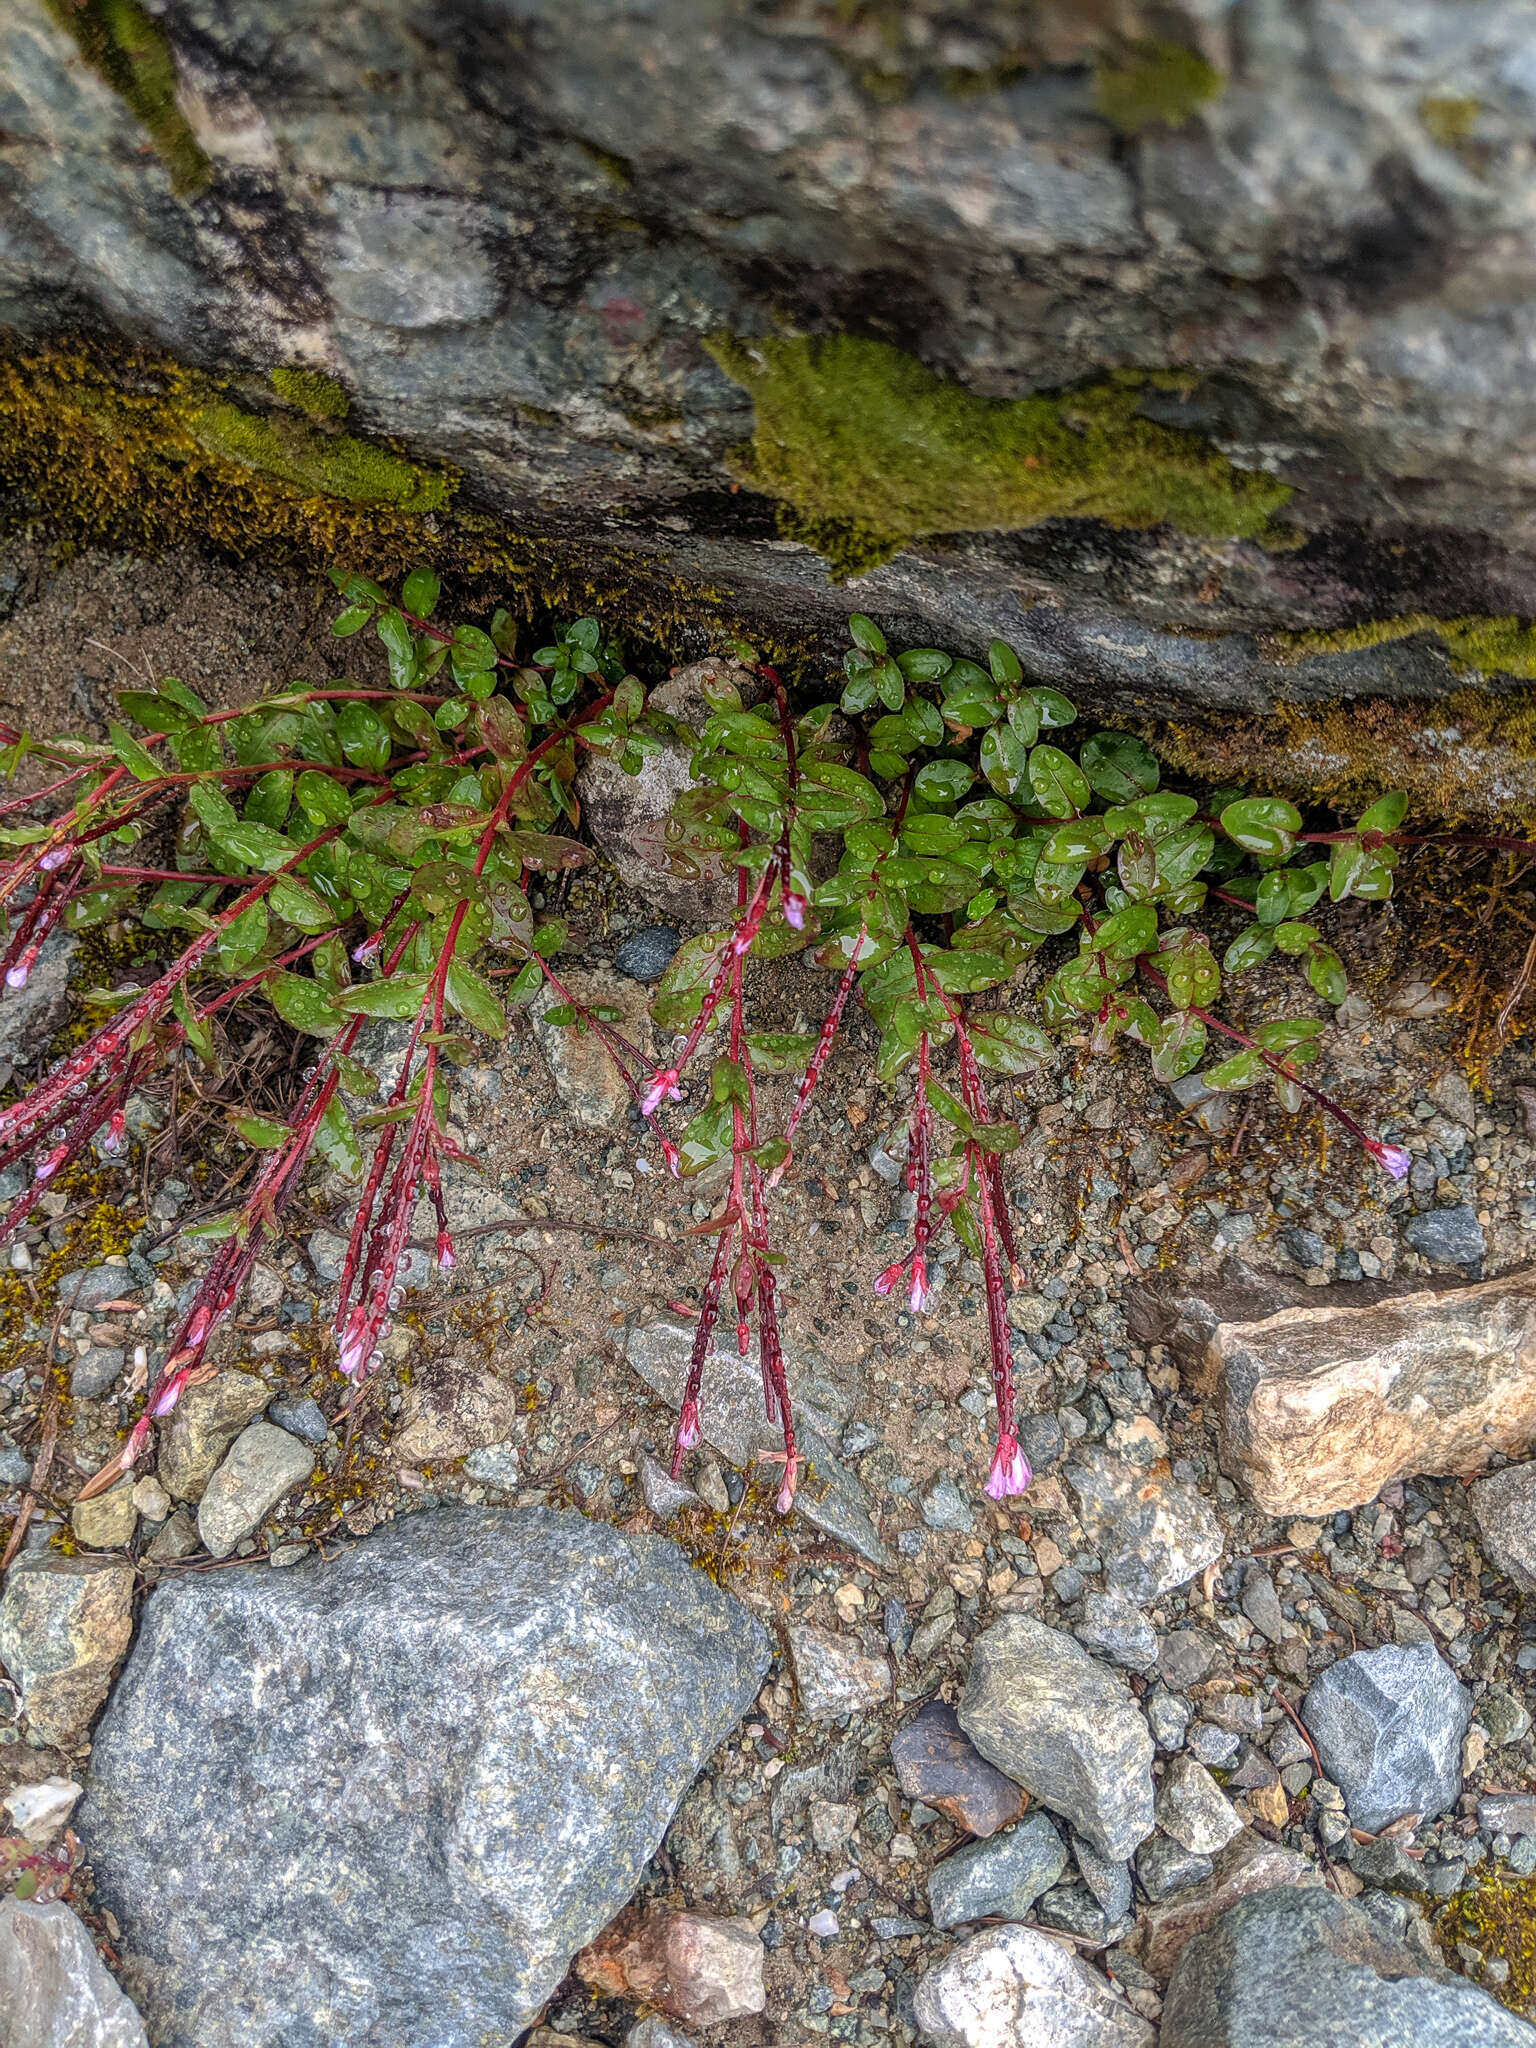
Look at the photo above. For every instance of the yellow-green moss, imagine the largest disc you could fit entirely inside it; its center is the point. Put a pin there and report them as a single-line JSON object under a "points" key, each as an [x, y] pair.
{"points": [[318, 464], [1449, 120], [1471, 754], [869, 449], [1154, 85], [1485, 646], [312, 391], [1496, 1913], [128, 50]]}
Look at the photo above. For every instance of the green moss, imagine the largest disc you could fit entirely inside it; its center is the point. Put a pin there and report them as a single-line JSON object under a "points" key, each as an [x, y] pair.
{"points": [[128, 49], [1449, 120], [332, 465], [1154, 84], [869, 449], [618, 170], [1495, 1913], [1486, 646], [312, 391]]}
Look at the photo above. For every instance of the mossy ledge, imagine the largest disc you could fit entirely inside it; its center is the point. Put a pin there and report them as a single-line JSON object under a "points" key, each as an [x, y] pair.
{"points": [[1154, 85], [128, 50], [867, 449], [1477, 646], [1471, 754]]}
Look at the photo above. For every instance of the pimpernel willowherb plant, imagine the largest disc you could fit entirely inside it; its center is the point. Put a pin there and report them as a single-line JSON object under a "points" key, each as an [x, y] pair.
{"points": [[354, 853]]}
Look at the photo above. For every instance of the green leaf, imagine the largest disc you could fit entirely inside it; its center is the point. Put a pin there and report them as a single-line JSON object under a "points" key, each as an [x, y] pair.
{"points": [[1189, 966], [924, 664], [270, 798], [1004, 759], [336, 1140], [1119, 766], [1248, 949], [1055, 709], [1285, 1034], [970, 696], [352, 620], [782, 1052], [943, 782], [156, 711], [866, 634], [1179, 1046], [503, 729], [1060, 786], [526, 983], [137, 759], [1386, 814], [420, 592], [1325, 971], [952, 1109], [300, 905], [1243, 1070], [399, 995], [1024, 718], [544, 852], [243, 937], [363, 735], [1080, 839], [474, 999], [1008, 1044], [1293, 937], [322, 799], [1004, 663], [260, 1131], [1124, 935], [303, 1004], [1264, 825]]}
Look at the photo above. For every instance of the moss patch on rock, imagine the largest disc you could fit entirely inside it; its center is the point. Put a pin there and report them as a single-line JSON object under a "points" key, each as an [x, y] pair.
{"points": [[1154, 85], [1471, 754], [868, 449], [128, 49], [312, 391], [1481, 646], [1495, 1913], [318, 464]]}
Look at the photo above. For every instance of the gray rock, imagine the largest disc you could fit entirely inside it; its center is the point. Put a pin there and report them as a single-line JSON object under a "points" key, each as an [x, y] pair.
{"points": [[205, 1423], [664, 1495], [460, 1693], [1303, 1968], [1165, 1866], [30, 1016], [1109, 1882], [657, 2032], [945, 1507], [586, 1077], [1185, 1656], [835, 1674], [55, 1991], [1013, 1987], [732, 1419], [646, 954], [453, 1407], [1065, 1728], [302, 1416], [64, 1623], [1000, 1878], [495, 1465], [1504, 1506], [1193, 1809], [1385, 1862], [1181, 1909], [95, 1285], [1447, 1237], [1388, 1725], [96, 1369], [1211, 1745], [1154, 1532], [15, 1466], [1261, 1603], [176, 1540], [1109, 1625], [262, 1465]]}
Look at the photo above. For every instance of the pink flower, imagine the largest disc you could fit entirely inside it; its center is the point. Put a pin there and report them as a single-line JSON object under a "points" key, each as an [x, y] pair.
{"points": [[354, 1342], [1394, 1158], [16, 977], [663, 1088], [887, 1280], [670, 1153], [116, 1127], [795, 907], [55, 858], [920, 1296], [446, 1257], [688, 1426], [1010, 1470], [50, 1163], [786, 1499]]}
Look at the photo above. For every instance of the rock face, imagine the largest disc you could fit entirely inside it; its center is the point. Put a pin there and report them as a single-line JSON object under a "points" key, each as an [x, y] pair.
{"points": [[1013, 1987], [64, 1622], [1302, 1968], [54, 1989], [1388, 1725], [487, 1720], [1505, 1506], [1192, 1807], [524, 255], [997, 1879], [1321, 1407], [1154, 1531], [1065, 1728]]}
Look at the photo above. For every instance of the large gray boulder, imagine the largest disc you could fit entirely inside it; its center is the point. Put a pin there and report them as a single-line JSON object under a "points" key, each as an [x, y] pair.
{"points": [[1388, 1725], [1302, 1968], [385, 1798]]}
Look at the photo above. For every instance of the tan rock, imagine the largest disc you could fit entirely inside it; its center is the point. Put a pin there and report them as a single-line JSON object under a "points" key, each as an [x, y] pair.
{"points": [[1320, 1407], [583, 1070], [698, 1969], [451, 1409], [1270, 1803], [108, 1521], [205, 1423], [64, 1623], [1247, 1864]]}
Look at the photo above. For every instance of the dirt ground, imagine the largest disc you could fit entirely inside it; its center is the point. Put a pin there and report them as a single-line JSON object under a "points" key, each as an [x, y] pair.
{"points": [[1115, 1182]]}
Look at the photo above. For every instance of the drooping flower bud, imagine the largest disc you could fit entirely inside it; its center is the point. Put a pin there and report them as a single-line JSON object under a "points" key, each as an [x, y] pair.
{"points": [[1010, 1472], [688, 1427], [1394, 1158]]}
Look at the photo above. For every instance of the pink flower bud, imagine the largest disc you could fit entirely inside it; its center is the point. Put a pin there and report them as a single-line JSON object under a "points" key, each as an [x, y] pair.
{"points": [[198, 1329], [887, 1280], [353, 1349], [50, 1163], [670, 1153], [1393, 1157], [663, 1088], [688, 1426], [1010, 1470], [16, 977], [920, 1296], [55, 857], [795, 907], [446, 1257], [786, 1499], [116, 1127]]}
